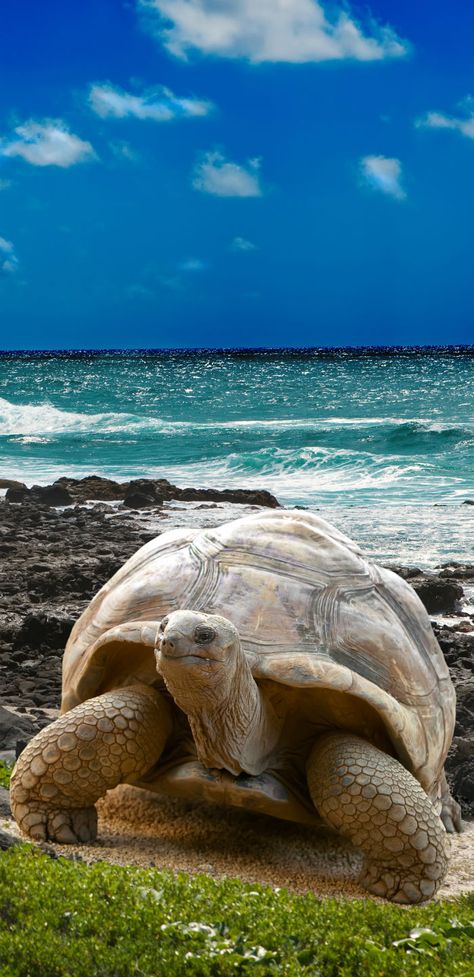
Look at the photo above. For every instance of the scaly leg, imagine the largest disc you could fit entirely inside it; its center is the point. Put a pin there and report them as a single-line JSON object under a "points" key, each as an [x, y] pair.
{"points": [[450, 810], [112, 739], [374, 801]]}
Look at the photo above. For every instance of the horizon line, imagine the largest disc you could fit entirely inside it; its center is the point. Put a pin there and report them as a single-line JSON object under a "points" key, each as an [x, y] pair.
{"points": [[456, 348]]}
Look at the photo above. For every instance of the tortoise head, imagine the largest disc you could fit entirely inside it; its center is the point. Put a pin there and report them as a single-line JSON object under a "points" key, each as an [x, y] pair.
{"points": [[198, 656]]}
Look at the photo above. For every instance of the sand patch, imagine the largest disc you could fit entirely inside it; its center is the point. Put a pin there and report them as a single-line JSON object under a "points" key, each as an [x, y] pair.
{"points": [[140, 828]]}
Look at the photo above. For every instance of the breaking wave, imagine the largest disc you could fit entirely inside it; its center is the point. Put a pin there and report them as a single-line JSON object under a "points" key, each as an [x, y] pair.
{"points": [[28, 420]]}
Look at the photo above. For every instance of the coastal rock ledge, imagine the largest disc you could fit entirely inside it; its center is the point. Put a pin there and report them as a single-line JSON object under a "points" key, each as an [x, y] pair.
{"points": [[139, 493]]}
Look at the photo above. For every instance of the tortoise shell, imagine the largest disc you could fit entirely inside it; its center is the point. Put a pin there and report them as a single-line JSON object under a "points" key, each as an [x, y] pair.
{"points": [[311, 611]]}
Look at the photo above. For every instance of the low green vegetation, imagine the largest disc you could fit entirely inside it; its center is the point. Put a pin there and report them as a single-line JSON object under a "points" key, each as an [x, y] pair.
{"points": [[60, 918], [5, 773]]}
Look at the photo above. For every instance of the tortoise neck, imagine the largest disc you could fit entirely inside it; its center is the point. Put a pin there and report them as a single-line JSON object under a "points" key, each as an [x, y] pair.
{"points": [[239, 731]]}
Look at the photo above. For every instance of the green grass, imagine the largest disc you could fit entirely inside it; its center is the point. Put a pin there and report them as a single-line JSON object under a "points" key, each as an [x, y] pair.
{"points": [[5, 773], [61, 918]]}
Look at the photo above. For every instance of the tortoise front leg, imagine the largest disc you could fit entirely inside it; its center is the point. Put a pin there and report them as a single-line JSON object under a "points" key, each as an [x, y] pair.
{"points": [[112, 739], [376, 803]]}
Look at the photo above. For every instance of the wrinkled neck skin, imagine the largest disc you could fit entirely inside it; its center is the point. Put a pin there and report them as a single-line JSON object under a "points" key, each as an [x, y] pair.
{"points": [[233, 725]]}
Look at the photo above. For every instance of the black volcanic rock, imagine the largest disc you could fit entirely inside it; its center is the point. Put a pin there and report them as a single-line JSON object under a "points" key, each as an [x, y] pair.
{"points": [[440, 593], [5, 810], [93, 488], [52, 495], [240, 496], [138, 493], [144, 492], [11, 483], [14, 728], [44, 627]]}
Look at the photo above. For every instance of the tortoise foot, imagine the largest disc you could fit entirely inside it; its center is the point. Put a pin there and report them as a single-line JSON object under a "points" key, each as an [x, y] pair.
{"points": [[451, 815], [370, 798], [66, 827], [387, 882]]}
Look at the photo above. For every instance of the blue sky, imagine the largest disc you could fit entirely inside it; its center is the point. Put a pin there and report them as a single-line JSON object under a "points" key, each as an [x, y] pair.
{"points": [[182, 173]]}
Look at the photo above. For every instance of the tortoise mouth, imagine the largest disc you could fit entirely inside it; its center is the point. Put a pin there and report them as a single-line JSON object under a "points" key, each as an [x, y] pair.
{"points": [[191, 658]]}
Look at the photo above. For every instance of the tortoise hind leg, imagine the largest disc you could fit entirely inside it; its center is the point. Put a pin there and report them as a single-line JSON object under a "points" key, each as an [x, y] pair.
{"points": [[450, 813], [376, 803], [113, 738]]}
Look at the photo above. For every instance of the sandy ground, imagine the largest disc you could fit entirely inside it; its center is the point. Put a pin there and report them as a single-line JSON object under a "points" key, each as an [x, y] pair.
{"points": [[138, 828]]}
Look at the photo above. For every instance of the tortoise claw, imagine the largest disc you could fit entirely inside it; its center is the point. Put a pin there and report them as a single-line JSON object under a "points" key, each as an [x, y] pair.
{"points": [[65, 827], [451, 816]]}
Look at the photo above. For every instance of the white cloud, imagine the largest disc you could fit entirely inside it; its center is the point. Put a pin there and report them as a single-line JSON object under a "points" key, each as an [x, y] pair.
{"points": [[8, 258], [242, 244], [215, 174], [440, 120], [193, 265], [158, 104], [294, 31], [123, 150], [48, 143], [384, 174]]}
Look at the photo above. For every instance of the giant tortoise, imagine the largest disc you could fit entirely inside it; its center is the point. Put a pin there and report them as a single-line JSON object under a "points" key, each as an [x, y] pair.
{"points": [[264, 664]]}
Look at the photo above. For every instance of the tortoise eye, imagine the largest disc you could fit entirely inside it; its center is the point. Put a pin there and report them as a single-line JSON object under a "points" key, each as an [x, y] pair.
{"points": [[204, 635], [164, 623]]}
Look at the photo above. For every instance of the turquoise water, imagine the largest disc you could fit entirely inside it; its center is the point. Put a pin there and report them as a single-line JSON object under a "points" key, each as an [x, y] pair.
{"points": [[324, 431]]}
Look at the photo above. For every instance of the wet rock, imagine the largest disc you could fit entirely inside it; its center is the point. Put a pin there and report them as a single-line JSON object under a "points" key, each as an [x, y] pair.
{"points": [[13, 728], [457, 647], [458, 571], [93, 487], [407, 573], [17, 494], [439, 593], [460, 772], [5, 810], [42, 628], [11, 483], [144, 492], [138, 493], [7, 840], [53, 495], [241, 496]]}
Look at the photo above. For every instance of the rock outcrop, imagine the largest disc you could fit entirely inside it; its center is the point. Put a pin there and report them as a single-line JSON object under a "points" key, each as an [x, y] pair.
{"points": [[138, 493]]}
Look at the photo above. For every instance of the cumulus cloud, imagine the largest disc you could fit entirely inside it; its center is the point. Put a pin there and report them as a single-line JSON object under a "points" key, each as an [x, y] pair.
{"points": [[158, 104], [441, 120], [242, 244], [219, 176], [384, 174], [8, 258], [47, 143], [296, 31]]}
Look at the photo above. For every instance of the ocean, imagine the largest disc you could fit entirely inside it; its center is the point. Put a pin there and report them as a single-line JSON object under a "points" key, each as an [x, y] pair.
{"points": [[381, 442]]}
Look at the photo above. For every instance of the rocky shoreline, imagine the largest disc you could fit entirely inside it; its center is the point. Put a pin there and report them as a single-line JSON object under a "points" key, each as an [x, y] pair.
{"points": [[59, 544]]}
